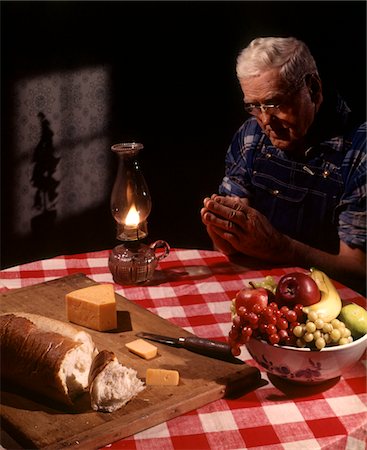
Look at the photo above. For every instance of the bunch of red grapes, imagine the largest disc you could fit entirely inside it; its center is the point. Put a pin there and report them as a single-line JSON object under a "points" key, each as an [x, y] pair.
{"points": [[271, 323], [273, 312]]}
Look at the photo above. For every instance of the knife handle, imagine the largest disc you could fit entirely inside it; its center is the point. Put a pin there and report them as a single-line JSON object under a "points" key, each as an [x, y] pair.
{"points": [[214, 349]]}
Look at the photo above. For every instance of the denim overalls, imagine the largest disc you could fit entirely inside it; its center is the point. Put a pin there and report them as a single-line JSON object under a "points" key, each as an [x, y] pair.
{"points": [[300, 198]]}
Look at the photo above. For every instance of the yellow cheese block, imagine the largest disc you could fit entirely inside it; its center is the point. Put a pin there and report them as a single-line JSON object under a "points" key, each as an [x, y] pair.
{"points": [[162, 377], [142, 348], [93, 307]]}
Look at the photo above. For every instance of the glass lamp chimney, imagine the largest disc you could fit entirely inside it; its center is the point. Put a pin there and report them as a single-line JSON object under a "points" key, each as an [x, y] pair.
{"points": [[130, 200]]}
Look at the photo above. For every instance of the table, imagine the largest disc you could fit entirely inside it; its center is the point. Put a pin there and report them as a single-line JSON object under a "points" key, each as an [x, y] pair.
{"points": [[277, 415]]}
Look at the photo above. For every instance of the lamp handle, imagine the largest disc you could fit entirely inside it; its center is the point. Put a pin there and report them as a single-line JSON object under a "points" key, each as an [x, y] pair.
{"points": [[161, 244]]}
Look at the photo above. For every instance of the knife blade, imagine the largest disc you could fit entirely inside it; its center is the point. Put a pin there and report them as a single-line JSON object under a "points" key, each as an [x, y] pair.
{"points": [[206, 347]]}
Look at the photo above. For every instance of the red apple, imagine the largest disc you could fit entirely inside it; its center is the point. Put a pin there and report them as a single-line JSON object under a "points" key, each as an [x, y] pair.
{"points": [[248, 297], [297, 287]]}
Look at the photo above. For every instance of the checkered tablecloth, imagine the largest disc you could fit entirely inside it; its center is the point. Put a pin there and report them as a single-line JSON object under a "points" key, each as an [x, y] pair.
{"points": [[192, 289]]}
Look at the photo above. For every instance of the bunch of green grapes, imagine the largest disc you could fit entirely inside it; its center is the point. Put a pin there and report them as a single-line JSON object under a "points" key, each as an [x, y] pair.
{"points": [[317, 333]]}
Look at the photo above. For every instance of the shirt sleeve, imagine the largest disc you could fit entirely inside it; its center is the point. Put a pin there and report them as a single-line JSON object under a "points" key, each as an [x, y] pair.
{"points": [[352, 218], [238, 161]]}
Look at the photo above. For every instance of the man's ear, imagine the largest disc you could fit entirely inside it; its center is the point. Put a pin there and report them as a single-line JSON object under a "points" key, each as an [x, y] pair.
{"points": [[314, 86]]}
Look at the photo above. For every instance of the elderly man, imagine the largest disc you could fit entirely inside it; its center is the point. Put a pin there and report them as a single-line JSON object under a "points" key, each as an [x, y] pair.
{"points": [[294, 190]]}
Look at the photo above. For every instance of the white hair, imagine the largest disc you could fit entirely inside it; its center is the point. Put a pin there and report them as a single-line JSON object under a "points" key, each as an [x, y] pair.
{"points": [[290, 55]]}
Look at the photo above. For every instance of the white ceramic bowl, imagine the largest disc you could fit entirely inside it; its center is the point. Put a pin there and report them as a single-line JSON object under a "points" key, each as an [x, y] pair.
{"points": [[304, 365]]}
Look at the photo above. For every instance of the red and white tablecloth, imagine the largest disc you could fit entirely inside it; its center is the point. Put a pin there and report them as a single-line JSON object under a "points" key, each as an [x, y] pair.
{"points": [[192, 289]]}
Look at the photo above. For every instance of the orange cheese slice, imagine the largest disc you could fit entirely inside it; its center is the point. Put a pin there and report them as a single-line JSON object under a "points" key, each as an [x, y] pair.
{"points": [[142, 348], [93, 307], [162, 377]]}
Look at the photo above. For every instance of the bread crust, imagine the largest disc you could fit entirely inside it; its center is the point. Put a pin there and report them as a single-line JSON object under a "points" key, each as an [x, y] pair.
{"points": [[31, 357], [103, 358]]}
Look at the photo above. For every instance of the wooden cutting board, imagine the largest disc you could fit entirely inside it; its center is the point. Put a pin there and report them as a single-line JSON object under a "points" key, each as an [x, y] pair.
{"points": [[39, 424]]}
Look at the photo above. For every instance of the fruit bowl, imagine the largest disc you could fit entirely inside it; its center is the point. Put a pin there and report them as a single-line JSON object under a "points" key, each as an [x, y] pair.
{"points": [[303, 365]]}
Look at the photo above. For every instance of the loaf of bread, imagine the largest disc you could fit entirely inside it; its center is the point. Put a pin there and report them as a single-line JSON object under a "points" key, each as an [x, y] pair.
{"points": [[45, 356], [112, 385]]}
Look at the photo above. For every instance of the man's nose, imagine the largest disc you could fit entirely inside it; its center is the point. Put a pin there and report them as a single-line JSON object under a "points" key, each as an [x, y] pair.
{"points": [[265, 116]]}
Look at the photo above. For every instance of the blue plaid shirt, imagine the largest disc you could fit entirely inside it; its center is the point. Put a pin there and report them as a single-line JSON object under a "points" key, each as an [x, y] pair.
{"points": [[317, 201]]}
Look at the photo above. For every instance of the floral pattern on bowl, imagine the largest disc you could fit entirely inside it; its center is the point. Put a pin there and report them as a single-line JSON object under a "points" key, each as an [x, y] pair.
{"points": [[310, 373]]}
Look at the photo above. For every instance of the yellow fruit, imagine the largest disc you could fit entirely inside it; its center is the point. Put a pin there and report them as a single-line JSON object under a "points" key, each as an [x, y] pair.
{"points": [[330, 305]]}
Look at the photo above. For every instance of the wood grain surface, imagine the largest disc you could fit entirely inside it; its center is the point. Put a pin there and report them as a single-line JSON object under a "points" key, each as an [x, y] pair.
{"points": [[37, 423]]}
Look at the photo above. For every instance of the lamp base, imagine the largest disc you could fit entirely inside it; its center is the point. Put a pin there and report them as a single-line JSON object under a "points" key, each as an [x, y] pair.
{"points": [[134, 262]]}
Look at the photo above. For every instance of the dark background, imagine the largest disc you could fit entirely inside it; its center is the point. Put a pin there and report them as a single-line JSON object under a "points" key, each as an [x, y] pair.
{"points": [[173, 89]]}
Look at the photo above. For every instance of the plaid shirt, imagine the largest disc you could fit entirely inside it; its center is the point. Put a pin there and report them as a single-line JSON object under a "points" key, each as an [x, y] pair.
{"points": [[348, 161]]}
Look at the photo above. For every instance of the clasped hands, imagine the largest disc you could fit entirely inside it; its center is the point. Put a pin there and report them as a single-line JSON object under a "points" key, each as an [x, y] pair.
{"points": [[235, 227]]}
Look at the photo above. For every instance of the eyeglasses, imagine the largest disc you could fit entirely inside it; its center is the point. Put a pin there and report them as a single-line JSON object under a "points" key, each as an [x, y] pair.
{"points": [[270, 108], [256, 108]]}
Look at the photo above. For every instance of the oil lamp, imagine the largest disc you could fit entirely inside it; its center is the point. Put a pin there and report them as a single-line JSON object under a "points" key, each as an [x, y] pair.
{"points": [[132, 261]]}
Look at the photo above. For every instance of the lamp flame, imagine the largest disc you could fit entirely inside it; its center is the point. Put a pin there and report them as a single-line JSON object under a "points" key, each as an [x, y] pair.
{"points": [[133, 217]]}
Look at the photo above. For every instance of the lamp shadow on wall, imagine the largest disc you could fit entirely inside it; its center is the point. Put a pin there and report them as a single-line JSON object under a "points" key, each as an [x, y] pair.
{"points": [[43, 179]]}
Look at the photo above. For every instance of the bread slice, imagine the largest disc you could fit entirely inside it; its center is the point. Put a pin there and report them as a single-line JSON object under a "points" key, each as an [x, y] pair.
{"points": [[45, 356], [112, 385]]}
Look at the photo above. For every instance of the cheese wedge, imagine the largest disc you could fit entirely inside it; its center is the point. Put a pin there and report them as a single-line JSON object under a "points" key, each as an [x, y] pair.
{"points": [[162, 377], [93, 307], [142, 348]]}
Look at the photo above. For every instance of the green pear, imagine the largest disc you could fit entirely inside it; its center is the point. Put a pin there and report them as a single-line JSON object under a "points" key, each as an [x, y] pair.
{"points": [[355, 318]]}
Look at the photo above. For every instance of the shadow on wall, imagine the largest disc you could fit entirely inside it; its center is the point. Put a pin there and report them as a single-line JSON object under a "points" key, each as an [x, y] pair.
{"points": [[43, 179]]}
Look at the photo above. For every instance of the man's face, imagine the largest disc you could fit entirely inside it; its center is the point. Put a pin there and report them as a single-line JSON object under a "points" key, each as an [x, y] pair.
{"points": [[287, 125]]}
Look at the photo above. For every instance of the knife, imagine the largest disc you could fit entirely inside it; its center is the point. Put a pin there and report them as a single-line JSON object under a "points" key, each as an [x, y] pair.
{"points": [[206, 347]]}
